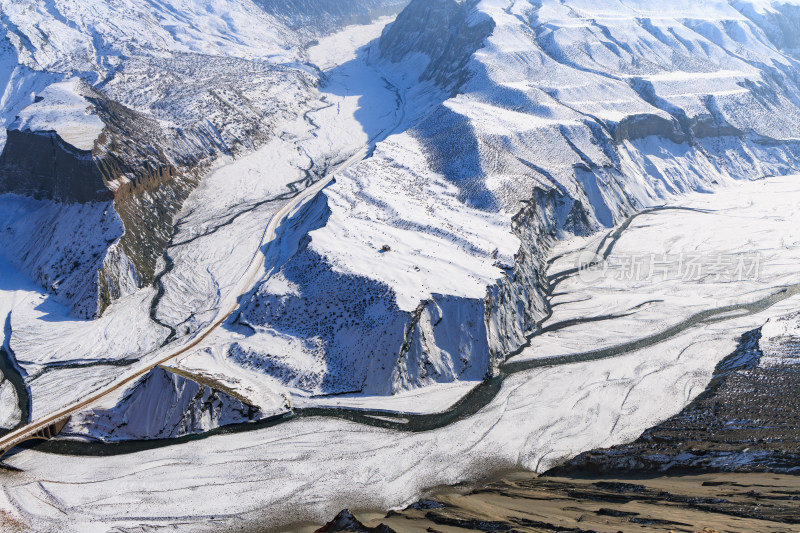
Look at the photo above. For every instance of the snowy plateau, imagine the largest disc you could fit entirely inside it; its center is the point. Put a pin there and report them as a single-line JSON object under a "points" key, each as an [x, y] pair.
{"points": [[263, 260]]}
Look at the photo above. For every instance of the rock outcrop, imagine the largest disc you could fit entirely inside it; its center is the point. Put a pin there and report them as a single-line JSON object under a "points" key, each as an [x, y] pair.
{"points": [[446, 32], [130, 114], [345, 521], [129, 166], [162, 405], [42, 165], [132, 168]]}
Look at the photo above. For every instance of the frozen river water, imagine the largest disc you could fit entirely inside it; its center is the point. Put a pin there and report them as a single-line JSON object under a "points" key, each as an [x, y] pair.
{"points": [[660, 326]]}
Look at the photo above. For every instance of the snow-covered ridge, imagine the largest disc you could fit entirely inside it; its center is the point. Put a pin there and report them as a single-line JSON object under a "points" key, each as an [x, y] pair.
{"points": [[174, 87], [566, 118], [446, 33], [162, 405], [777, 18], [69, 34]]}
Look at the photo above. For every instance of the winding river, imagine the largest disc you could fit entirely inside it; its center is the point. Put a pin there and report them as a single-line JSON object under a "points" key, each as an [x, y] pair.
{"points": [[486, 391]]}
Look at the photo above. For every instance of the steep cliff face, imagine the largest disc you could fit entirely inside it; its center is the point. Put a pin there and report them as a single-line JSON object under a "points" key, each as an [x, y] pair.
{"points": [[445, 342], [42, 165], [114, 161], [148, 104], [591, 182], [48, 153], [777, 19], [61, 238], [79, 144]]}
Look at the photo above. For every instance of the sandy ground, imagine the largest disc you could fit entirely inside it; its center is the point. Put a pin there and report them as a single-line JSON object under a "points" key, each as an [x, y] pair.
{"points": [[756, 502]]}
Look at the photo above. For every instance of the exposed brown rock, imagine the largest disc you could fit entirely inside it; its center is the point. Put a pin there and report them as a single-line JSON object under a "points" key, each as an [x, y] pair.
{"points": [[345, 521], [524, 502], [42, 165]]}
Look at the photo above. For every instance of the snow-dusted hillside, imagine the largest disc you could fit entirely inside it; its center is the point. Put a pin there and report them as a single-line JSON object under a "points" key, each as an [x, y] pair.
{"points": [[165, 177], [172, 87], [162, 405], [320, 17], [566, 118], [47, 41]]}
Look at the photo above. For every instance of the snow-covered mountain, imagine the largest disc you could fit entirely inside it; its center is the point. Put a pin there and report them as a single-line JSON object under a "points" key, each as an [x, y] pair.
{"points": [[148, 141], [319, 17], [564, 119], [162, 91], [220, 212]]}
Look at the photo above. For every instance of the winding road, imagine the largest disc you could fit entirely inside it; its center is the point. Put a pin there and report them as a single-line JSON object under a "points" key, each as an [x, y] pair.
{"points": [[227, 307], [229, 304]]}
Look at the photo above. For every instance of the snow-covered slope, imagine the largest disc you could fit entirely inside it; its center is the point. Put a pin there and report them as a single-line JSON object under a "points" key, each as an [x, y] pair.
{"points": [[743, 421], [162, 405], [518, 123], [63, 109], [140, 98], [47, 41], [319, 17], [778, 19], [565, 117]]}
